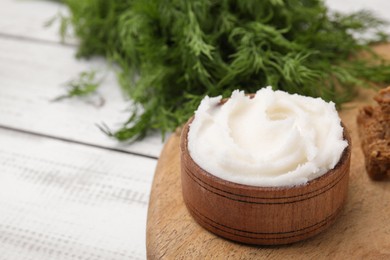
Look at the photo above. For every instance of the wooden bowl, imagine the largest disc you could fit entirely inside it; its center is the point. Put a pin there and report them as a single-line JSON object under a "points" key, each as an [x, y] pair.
{"points": [[263, 215]]}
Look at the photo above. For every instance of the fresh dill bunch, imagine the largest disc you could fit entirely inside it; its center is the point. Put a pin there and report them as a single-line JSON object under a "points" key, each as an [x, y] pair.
{"points": [[173, 53]]}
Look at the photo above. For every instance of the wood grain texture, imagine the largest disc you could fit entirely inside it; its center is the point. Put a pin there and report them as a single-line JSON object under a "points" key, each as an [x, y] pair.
{"points": [[361, 232], [33, 74], [263, 215], [25, 21], [67, 201]]}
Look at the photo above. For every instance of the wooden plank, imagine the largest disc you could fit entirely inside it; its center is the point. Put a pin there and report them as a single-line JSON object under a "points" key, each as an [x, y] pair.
{"points": [[32, 75], [27, 19], [379, 7], [361, 231], [67, 201]]}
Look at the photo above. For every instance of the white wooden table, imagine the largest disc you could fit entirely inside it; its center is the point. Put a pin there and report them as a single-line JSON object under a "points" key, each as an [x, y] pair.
{"points": [[67, 191]]}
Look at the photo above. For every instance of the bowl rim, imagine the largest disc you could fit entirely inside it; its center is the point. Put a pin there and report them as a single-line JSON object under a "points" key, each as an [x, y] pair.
{"points": [[319, 182]]}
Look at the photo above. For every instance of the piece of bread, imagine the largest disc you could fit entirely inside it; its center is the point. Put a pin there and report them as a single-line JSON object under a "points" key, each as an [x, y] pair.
{"points": [[374, 131]]}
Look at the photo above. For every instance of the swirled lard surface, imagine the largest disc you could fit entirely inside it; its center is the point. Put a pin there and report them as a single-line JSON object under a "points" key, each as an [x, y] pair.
{"points": [[273, 139]]}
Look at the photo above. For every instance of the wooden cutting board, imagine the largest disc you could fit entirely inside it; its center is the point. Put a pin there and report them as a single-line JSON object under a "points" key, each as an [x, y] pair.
{"points": [[361, 232]]}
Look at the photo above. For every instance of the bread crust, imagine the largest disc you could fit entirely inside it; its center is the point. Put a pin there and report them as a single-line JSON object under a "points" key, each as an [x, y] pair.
{"points": [[374, 131]]}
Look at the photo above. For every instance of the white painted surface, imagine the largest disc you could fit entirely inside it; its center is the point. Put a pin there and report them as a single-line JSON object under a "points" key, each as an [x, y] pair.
{"points": [[32, 75], [27, 19], [378, 7], [66, 201], [61, 200]]}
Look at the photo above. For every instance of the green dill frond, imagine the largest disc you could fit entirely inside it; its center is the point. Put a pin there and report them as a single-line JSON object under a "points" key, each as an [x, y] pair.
{"points": [[84, 85], [171, 53]]}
